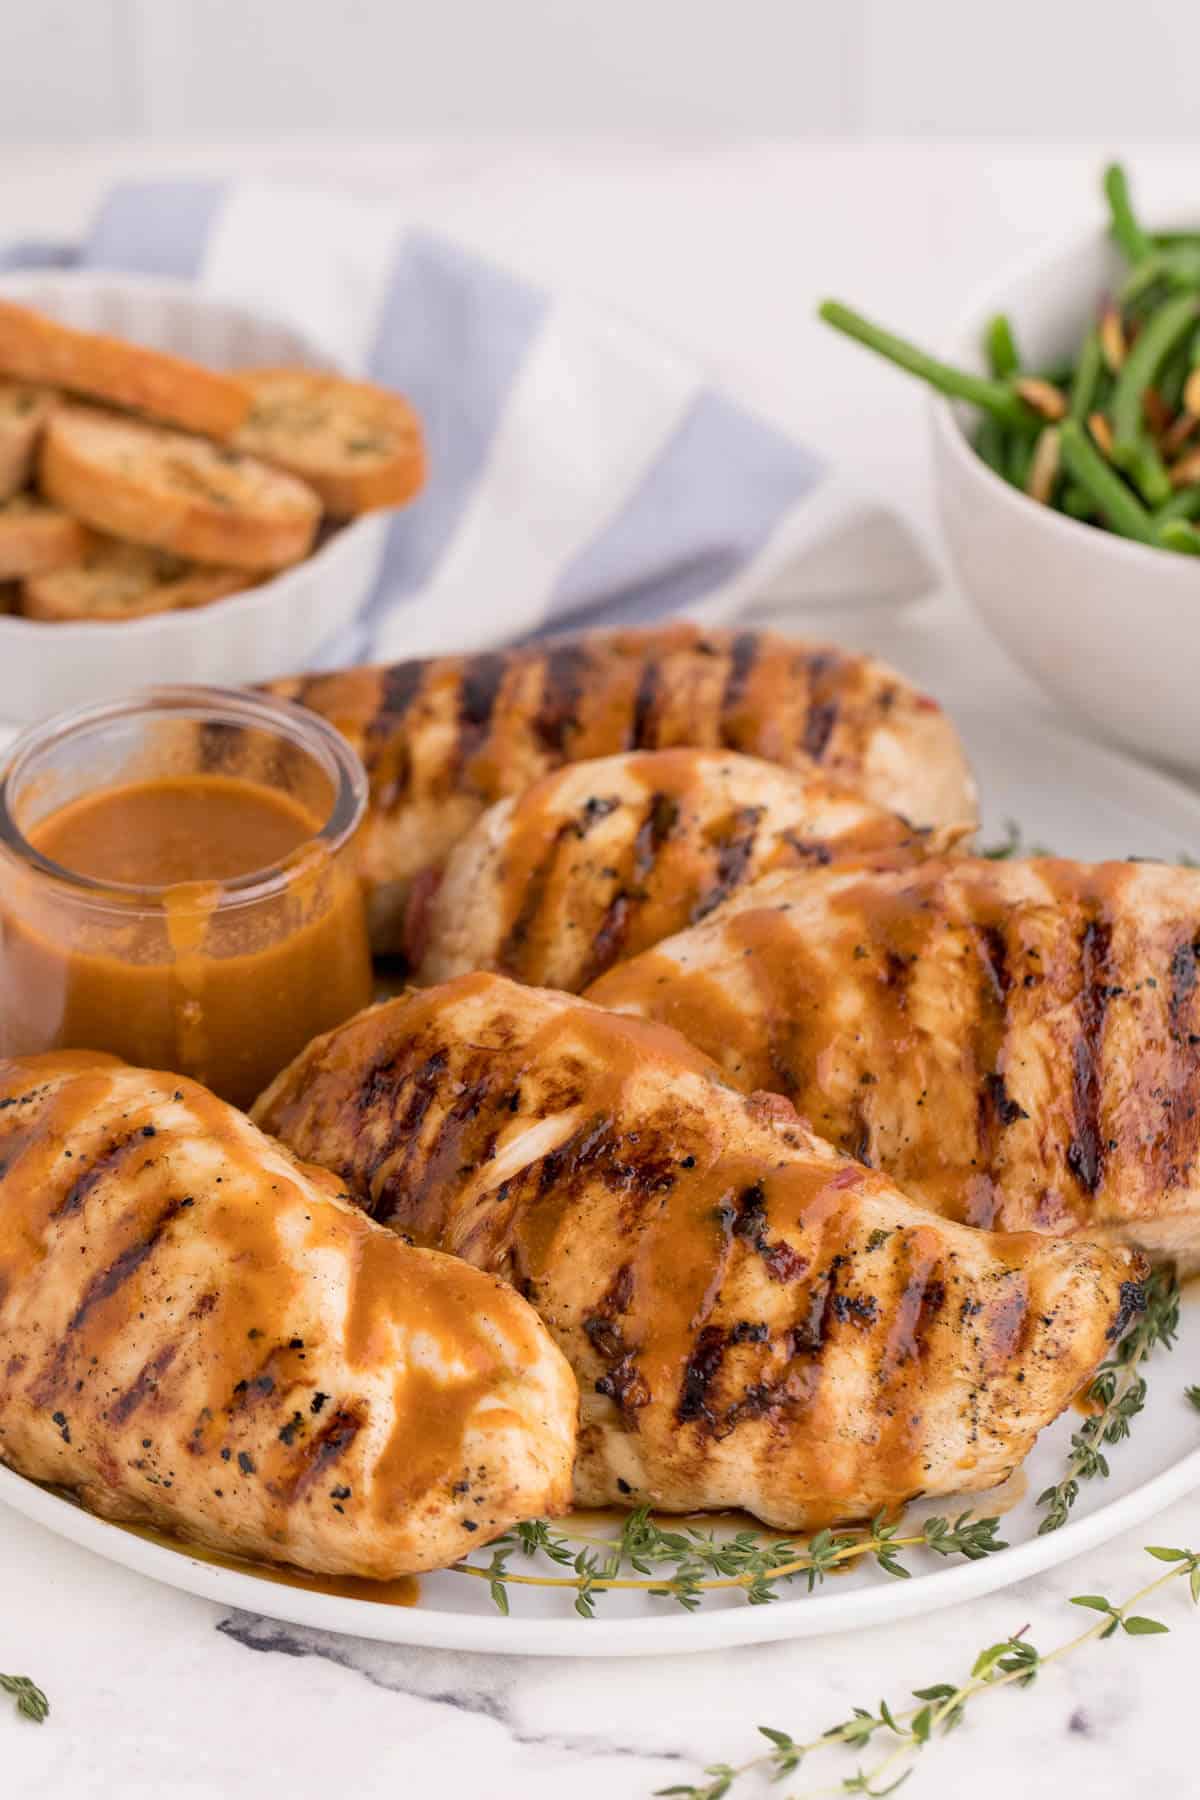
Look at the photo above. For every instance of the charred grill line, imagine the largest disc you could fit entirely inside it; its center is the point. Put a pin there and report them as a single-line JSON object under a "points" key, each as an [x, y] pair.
{"points": [[320, 1453], [824, 669], [399, 686], [510, 958], [1178, 1145], [661, 817], [104, 1285], [145, 1384], [703, 1367], [1085, 1152], [105, 1164], [735, 849], [645, 700], [482, 679], [557, 717], [743, 654]]}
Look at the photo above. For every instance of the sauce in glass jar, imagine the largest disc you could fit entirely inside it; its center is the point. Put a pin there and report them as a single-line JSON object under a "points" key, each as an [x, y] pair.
{"points": [[178, 885]]}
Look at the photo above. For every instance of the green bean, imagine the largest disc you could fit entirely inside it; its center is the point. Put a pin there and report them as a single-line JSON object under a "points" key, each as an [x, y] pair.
{"points": [[1178, 268], [1002, 348], [1169, 326], [1132, 241], [1175, 535], [1123, 510], [991, 443], [1147, 471], [1018, 460], [993, 396], [1087, 377], [1183, 505], [1076, 502], [1172, 377]]}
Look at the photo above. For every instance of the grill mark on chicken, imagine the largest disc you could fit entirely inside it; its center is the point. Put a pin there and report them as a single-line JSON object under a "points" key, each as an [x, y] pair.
{"points": [[418, 1090], [825, 670], [641, 736], [701, 1370], [1086, 1152], [1183, 1069], [107, 1163], [511, 956], [106, 1282], [144, 1386], [558, 715], [743, 654], [735, 841], [994, 1110], [660, 819], [479, 690], [319, 1454]]}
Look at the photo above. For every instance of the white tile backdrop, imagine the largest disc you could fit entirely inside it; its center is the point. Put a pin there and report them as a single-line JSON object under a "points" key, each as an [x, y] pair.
{"points": [[75, 69]]}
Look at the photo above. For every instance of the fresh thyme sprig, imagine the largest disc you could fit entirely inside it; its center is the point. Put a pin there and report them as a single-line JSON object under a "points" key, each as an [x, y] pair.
{"points": [[28, 1698], [1118, 1392], [685, 1565], [1014, 1662]]}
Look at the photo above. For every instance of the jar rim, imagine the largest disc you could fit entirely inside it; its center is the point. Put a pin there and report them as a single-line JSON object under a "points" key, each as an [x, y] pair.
{"points": [[243, 707]]}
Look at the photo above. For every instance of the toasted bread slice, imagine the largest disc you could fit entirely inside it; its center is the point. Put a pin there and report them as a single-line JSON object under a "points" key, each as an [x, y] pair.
{"points": [[359, 446], [35, 348], [35, 537], [203, 501], [23, 412], [115, 580]]}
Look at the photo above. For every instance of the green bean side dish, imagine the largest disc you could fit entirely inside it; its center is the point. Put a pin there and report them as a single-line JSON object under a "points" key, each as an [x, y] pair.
{"points": [[1112, 437]]}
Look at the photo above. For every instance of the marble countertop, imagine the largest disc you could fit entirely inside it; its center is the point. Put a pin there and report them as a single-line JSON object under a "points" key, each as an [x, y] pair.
{"points": [[156, 1694]]}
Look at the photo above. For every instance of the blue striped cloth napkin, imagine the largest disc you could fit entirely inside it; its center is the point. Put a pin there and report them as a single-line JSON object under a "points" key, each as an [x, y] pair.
{"points": [[581, 473]]}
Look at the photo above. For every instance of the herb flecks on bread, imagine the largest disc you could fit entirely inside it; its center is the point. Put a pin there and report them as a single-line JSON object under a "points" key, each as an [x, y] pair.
{"points": [[359, 446], [203, 501]]}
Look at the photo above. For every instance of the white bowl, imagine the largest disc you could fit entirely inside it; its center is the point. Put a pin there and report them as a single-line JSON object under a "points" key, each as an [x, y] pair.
{"points": [[1110, 627], [274, 629]]}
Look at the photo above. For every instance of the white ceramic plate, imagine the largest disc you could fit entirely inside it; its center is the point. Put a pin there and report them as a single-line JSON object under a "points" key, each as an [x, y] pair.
{"points": [[1071, 797]]}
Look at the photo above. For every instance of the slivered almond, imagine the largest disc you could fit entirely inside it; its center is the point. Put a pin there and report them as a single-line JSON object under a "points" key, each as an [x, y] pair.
{"points": [[1191, 393], [1101, 432], [1043, 470], [1112, 339], [1178, 433], [1154, 408], [1186, 472], [1043, 396]]}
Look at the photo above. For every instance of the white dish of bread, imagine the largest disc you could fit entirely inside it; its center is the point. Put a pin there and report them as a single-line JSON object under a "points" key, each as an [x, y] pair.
{"points": [[188, 491]]}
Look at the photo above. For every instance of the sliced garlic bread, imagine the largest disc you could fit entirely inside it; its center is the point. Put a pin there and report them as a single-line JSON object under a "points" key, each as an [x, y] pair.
{"points": [[35, 537], [23, 412], [359, 446], [38, 349], [202, 501], [115, 580]]}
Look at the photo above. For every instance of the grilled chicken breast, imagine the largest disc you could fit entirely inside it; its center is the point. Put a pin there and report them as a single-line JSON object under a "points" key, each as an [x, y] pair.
{"points": [[444, 739], [1017, 1044], [755, 1320], [199, 1334], [600, 860]]}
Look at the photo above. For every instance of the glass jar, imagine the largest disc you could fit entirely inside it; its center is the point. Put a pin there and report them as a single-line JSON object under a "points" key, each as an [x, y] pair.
{"points": [[222, 976]]}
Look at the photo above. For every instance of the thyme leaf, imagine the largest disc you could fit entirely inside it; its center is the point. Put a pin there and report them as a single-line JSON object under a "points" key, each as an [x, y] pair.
{"points": [[28, 1698], [686, 1565], [1013, 1662], [1118, 1394]]}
